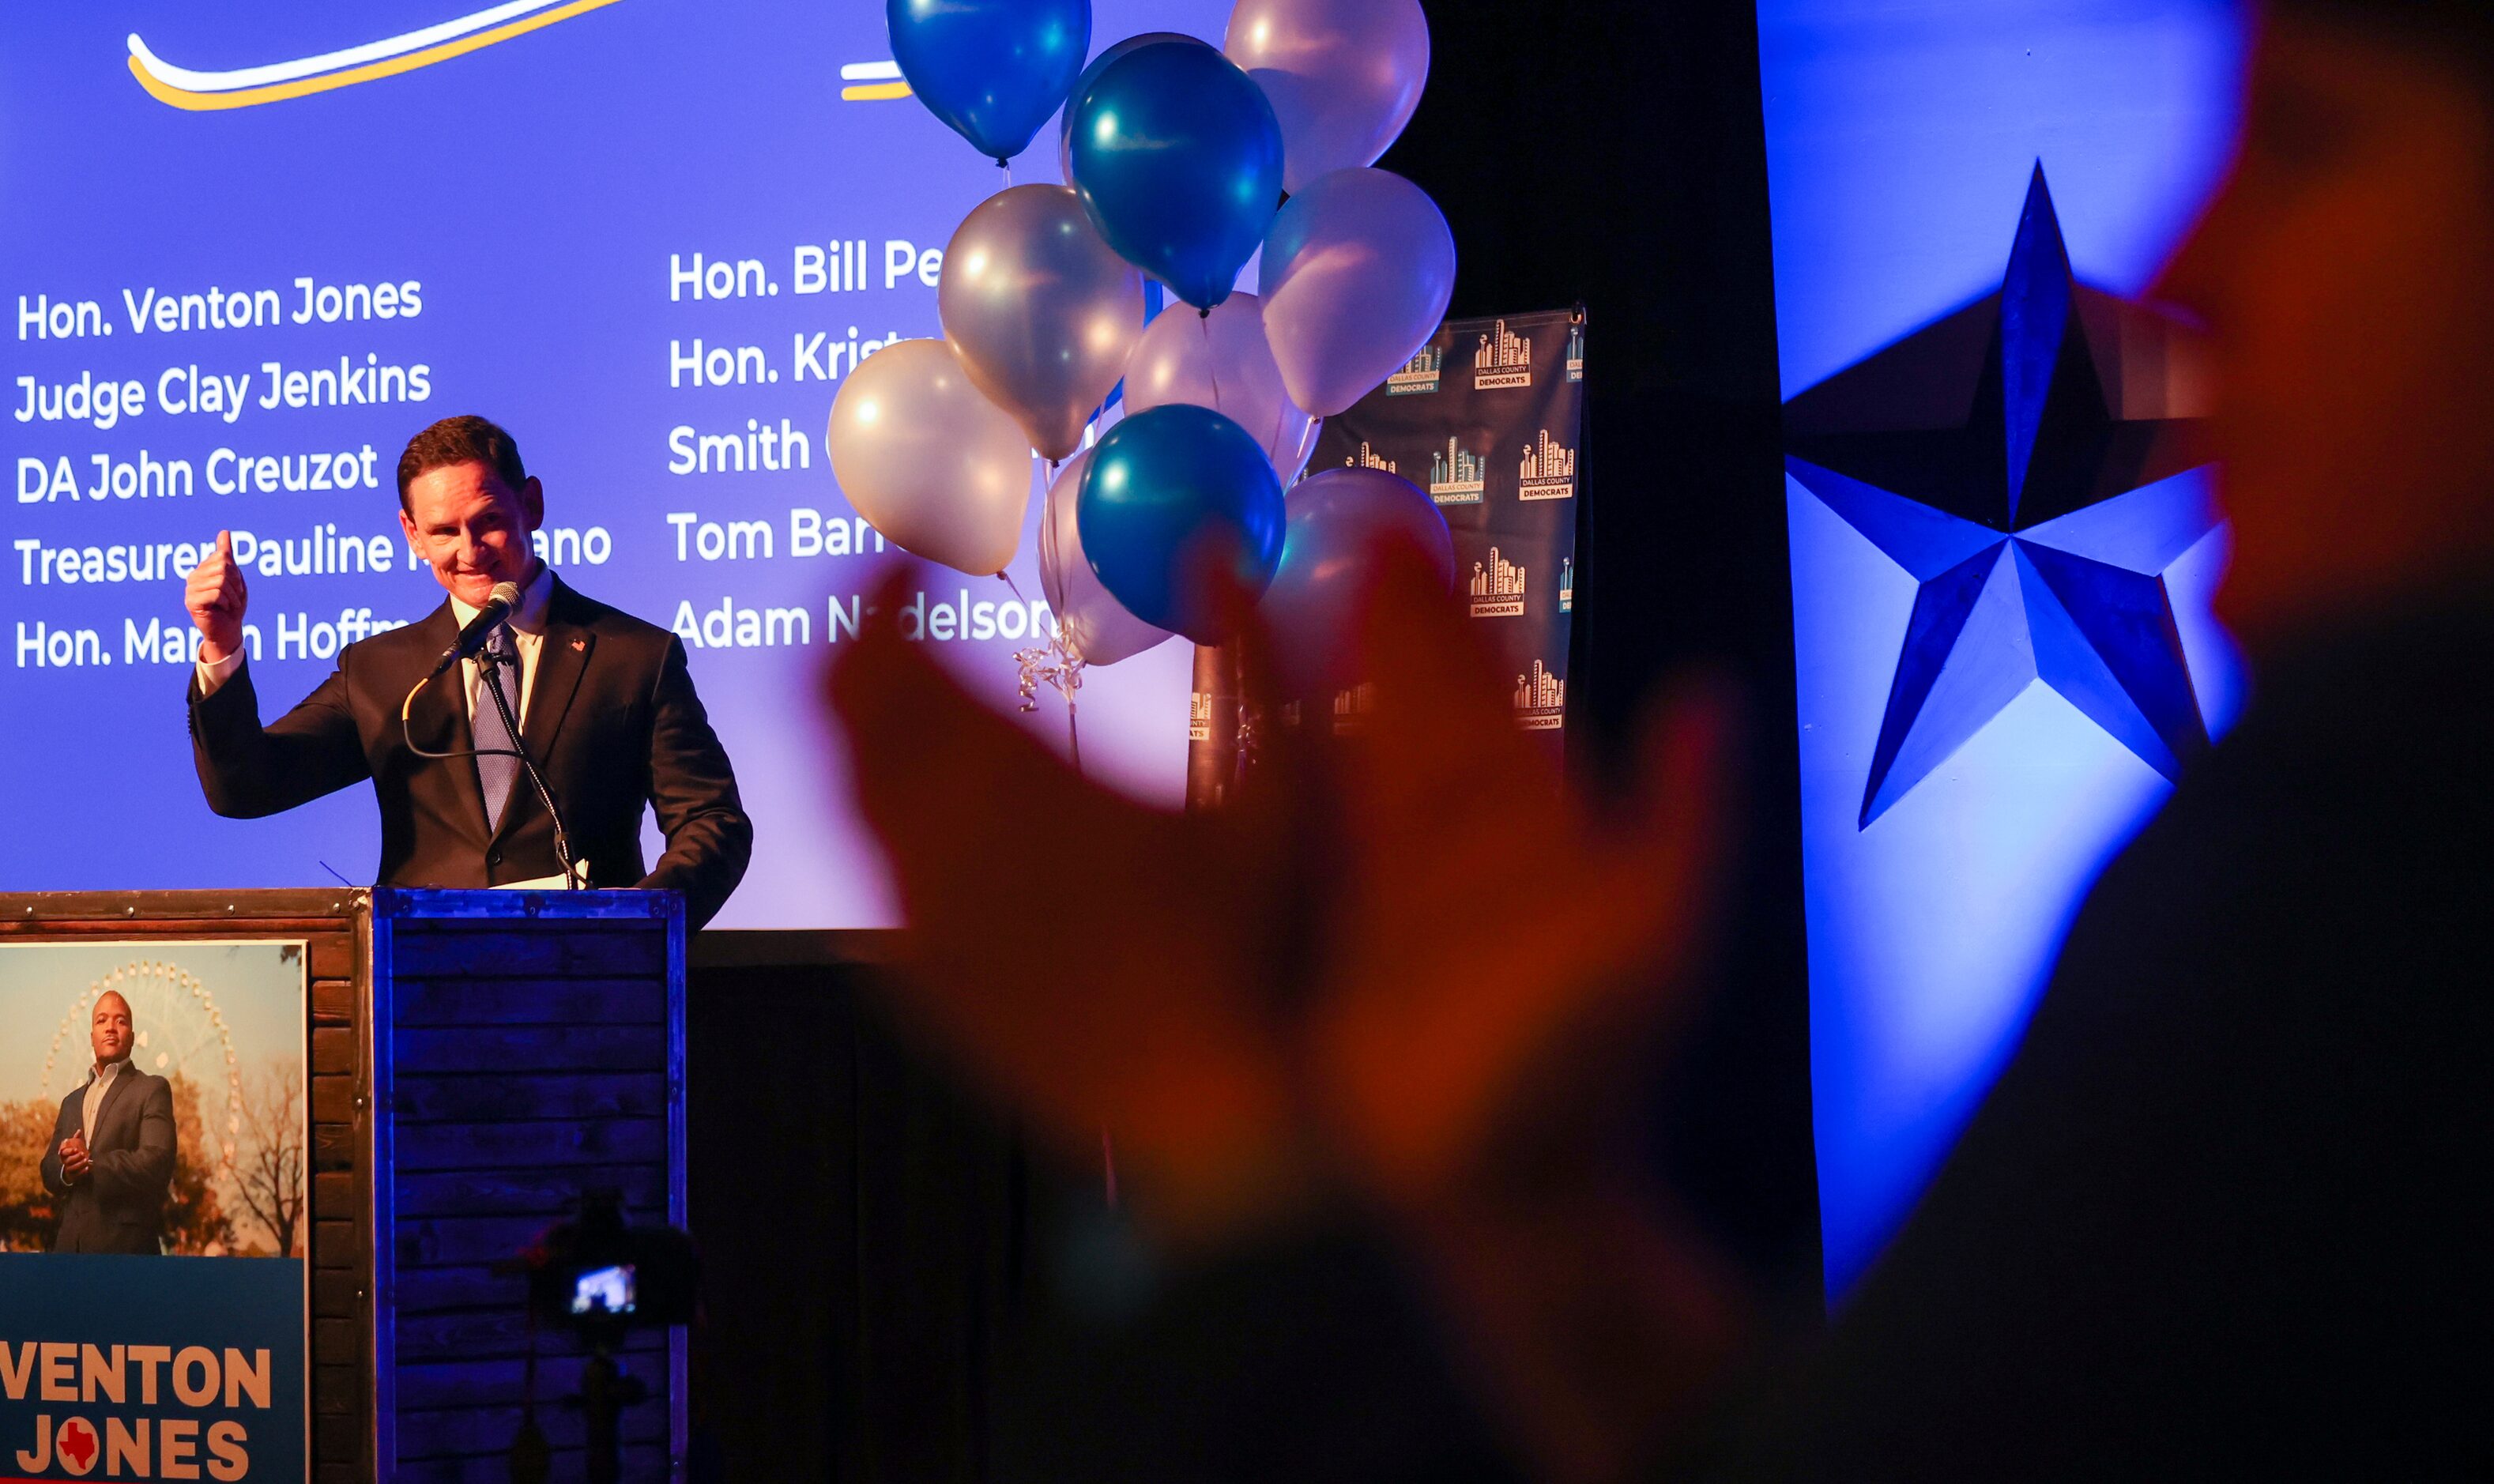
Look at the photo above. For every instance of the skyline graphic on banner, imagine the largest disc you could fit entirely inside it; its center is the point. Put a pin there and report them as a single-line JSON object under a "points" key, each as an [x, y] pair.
{"points": [[2012, 460]]}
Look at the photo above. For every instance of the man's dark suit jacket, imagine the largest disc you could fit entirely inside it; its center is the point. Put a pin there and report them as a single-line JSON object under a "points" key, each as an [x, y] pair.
{"points": [[118, 1206], [612, 720]]}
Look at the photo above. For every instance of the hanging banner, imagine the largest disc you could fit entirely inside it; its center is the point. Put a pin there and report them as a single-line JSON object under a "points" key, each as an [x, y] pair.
{"points": [[2002, 551], [1488, 419], [154, 1210]]}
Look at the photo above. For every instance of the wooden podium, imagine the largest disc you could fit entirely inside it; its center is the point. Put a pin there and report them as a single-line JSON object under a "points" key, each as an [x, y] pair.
{"points": [[477, 1059]]}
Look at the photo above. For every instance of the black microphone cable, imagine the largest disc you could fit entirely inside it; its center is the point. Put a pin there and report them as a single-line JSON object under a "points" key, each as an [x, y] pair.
{"points": [[528, 766]]}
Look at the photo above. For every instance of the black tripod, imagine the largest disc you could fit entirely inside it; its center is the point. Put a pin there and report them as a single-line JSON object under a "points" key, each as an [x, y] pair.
{"points": [[606, 1389]]}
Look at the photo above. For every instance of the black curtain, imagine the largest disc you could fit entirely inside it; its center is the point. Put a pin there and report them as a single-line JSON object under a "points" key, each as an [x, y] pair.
{"points": [[1615, 155], [862, 1227]]}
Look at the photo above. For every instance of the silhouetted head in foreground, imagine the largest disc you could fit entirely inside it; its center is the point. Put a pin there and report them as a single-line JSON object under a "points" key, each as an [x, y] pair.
{"points": [[2345, 271]]}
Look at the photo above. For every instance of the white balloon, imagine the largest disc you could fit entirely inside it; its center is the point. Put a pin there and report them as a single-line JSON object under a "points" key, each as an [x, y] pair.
{"points": [[930, 461], [1098, 630], [1221, 362], [1357, 272], [1343, 76]]}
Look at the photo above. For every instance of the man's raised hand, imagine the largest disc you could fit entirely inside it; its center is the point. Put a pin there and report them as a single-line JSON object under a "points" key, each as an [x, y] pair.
{"points": [[216, 597]]}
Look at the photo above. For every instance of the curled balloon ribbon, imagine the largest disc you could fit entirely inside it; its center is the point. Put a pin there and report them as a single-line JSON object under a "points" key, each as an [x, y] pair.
{"points": [[1050, 664]]}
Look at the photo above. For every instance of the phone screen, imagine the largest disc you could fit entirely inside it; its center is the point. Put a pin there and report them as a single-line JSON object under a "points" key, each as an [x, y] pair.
{"points": [[605, 1289]]}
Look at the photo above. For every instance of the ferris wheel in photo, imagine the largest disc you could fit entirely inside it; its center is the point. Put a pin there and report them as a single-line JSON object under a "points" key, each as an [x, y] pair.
{"points": [[178, 1028]]}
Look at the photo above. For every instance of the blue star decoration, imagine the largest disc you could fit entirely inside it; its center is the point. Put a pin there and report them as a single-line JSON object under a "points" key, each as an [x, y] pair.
{"points": [[2026, 460]]}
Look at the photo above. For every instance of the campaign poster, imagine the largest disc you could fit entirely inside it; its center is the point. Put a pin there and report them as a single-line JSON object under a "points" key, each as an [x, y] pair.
{"points": [[154, 1210]]}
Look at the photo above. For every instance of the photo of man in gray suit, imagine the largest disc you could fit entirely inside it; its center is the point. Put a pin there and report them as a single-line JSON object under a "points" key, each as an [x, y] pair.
{"points": [[111, 1160]]}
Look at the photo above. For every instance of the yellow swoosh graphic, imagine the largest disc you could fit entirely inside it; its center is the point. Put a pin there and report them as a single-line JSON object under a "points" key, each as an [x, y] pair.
{"points": [[873, 82], [248, 87]]}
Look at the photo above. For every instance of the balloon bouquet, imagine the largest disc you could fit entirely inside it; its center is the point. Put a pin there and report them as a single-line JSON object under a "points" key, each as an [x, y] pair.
{"points": [[1176, 156]]}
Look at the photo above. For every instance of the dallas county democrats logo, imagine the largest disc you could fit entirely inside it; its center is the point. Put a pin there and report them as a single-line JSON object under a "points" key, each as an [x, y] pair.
{"points": [[1198, 716], [1539, 700], [1567, 585], [1502, 359], [1350, 709], [1547, 471], [1419, 375], [1369, 458], [1457, 477], [1575, 352], [1498, 588]]}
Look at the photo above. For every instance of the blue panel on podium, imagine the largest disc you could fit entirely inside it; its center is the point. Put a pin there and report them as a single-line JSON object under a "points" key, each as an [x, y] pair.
{"points": [[526, 1046]]}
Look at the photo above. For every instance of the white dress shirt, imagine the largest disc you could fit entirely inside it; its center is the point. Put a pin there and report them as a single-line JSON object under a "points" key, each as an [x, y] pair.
{"points": [[528, 628], [96, 1090]]}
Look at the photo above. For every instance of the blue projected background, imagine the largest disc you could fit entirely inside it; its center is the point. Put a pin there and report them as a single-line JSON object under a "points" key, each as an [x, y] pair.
{"points": [[528, 205], [1987, 690]]}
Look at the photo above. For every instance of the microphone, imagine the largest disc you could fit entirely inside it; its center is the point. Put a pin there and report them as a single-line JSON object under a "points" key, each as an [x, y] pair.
{"points": [[498, 607]]}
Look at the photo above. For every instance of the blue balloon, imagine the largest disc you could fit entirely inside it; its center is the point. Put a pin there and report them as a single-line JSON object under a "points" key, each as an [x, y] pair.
{"points": [[991, 70], [1178, 162], [1098, 65], [1175, 498]]}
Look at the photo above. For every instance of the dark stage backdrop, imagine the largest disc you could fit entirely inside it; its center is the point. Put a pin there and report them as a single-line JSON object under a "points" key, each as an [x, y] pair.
{"points": [[1614, 156]]}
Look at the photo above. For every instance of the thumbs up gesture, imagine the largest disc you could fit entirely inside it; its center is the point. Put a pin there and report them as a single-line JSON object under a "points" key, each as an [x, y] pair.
{"points": [[216, 597]]}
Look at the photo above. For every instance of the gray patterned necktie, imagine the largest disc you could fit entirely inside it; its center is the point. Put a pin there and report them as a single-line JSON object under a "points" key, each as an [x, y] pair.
{"points": [[496, 771]]}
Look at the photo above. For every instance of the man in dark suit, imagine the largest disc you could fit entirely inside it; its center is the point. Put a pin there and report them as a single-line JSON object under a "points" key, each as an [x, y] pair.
{"points": [[604, 701], [112, 1154]]}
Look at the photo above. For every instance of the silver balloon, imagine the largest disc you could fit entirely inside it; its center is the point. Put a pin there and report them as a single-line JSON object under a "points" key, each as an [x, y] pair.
{"points": [[1043, 312], [1098, 630], [1221, 362], [928, 460], [1343, 76], [1357, 271]]}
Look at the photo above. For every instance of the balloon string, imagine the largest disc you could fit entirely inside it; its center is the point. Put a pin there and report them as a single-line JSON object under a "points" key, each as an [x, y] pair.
{"points": [[1211, 366], [1006, 166], [1046, 535], [1050, 664]]}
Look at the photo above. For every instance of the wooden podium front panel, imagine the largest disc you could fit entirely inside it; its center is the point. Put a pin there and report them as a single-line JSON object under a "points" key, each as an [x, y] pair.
{"points": [[529, 1047]]}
